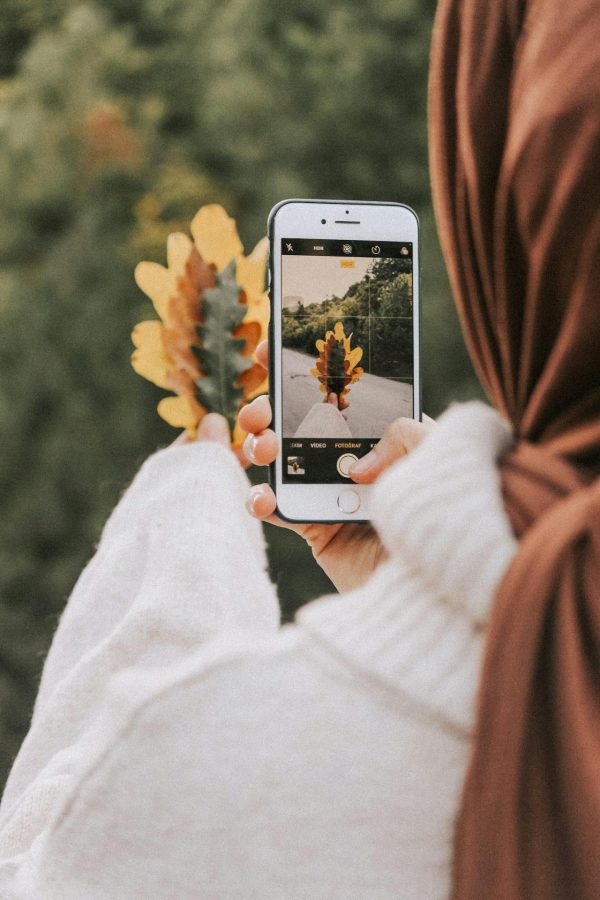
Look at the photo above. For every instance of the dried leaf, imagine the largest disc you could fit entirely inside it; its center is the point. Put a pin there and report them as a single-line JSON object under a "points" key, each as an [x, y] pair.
{"points": [[336, 365], [214, 311], [149, 358], [219, 352], [157, 283], [179, 413], [216, 236]]}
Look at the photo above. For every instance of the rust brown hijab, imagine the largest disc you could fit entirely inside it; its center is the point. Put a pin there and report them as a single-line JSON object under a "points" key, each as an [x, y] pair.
{"points": [[515, 153]]}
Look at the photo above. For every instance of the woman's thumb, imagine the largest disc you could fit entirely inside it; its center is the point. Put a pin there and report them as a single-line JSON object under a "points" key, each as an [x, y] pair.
{"points": [[400, 438]]}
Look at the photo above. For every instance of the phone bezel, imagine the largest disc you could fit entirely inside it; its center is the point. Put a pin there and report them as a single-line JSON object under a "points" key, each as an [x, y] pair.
{"points": [[302, 219]]}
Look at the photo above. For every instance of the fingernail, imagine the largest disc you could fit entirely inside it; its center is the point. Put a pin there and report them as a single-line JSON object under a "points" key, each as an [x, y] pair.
{"points": [[262, 400], [251, 500], [250, 448], [214, 427], [364, 465]]}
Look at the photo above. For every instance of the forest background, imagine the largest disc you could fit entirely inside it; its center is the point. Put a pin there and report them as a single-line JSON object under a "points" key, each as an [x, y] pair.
{"points": [[118, 120]]}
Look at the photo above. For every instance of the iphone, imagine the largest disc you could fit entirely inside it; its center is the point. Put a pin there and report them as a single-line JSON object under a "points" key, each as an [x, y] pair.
{"points": [[343, 348]]}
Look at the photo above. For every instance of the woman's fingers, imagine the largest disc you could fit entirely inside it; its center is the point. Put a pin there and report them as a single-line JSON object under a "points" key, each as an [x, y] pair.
{"points": [[261, 449], [241, 457], [261, 501], [400, 438], [262, 354], [261, 444], [214, 427], [256, 416]]}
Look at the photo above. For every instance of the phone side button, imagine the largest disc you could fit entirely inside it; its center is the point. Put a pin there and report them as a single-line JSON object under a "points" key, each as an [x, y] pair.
{"points": [[348, 501]]}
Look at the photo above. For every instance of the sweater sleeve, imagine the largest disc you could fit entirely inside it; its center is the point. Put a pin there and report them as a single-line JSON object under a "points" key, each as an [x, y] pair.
{"points": [[441, 518], [225, 771], [166, 576]]}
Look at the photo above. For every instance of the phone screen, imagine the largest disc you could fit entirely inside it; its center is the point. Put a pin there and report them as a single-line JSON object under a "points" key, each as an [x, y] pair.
{"points": [[347, 351]]}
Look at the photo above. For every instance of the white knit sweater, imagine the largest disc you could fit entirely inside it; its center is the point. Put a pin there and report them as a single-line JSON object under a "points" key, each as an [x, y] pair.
{"points": [[184, 746]]}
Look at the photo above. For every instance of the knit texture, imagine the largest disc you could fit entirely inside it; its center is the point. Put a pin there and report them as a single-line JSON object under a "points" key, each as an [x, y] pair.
{"points": [[183, 746]]}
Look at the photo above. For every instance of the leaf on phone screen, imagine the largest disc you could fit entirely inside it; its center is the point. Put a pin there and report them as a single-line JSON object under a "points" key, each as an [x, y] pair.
{"points": [[213, 312], [337, 365]]}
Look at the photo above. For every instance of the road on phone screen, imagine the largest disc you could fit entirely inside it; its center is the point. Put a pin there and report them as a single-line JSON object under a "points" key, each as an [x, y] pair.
{"points": [[374, 401]]}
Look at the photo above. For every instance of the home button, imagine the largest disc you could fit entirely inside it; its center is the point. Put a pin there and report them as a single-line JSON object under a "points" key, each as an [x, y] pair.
{"points": [[348, 501]]}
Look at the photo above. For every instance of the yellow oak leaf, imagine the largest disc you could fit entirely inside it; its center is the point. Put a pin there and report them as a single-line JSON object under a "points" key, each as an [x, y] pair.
{"points": [[149, 358], [170, 352], [216, 236], [157, 283], [179, 413], [336, 364]]}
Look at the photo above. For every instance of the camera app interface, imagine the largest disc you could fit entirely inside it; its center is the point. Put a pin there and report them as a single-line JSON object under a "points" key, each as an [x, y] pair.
{"points": [[347, 351]]}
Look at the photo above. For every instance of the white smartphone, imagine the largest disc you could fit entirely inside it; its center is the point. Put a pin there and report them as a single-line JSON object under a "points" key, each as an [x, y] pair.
{"points": [[344, 346]]}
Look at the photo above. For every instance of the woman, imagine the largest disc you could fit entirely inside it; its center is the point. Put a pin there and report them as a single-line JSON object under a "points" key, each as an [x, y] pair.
{"points": [[183, 746], [515, 127]]}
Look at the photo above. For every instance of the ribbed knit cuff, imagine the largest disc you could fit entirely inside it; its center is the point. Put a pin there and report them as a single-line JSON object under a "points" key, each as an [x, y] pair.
{"points": [[441, 507], [418, 623]]}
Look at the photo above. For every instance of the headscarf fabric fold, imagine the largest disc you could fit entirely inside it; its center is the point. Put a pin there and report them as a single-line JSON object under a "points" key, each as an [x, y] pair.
{"points": [[515, 160]]}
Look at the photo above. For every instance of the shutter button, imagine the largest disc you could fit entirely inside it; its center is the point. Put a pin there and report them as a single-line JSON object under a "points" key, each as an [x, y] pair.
{"points": [[345, 463]]}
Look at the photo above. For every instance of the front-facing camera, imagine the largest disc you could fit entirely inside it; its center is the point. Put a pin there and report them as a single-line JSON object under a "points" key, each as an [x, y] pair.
{"points": [[323, 221]]}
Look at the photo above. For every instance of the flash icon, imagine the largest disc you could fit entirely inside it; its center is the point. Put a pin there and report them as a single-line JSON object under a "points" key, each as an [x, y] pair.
{"points": [[347, 248]]}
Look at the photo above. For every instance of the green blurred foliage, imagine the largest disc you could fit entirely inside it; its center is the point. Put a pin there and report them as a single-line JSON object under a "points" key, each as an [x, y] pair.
{"points": [[118, 119]]}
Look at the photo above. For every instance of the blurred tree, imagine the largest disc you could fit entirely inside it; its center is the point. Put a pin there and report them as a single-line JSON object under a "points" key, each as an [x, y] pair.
{"points": [[20, 21], [79, 155], [118, 119], [327, 100]]}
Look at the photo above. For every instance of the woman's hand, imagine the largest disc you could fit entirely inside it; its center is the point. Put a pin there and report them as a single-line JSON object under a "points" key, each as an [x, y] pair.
{"points": [[347, 553], [214, 427]]}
